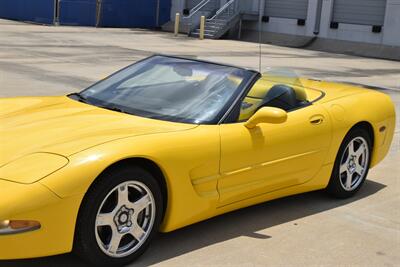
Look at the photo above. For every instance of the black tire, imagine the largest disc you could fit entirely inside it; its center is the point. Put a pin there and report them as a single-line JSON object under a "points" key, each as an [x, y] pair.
{"points": [[336, 187], [86, 245]]}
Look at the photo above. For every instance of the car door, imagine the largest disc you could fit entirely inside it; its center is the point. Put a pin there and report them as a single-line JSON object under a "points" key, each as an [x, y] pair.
{"points": [[272, 156]]}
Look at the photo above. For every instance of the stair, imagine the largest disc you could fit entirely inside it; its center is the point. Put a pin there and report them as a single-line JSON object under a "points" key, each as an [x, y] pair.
{"points": [[205, 8], [211, 29], [223, 20]]}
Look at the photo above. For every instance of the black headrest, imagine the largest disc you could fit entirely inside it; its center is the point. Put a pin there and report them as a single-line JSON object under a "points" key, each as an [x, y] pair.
{"points": [[281, 96]]}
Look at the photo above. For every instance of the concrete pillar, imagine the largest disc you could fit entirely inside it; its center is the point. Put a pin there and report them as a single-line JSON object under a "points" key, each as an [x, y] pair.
{"points": [[311, 17], [256, 4], [261, 6], [326, 15], [391, 27]]}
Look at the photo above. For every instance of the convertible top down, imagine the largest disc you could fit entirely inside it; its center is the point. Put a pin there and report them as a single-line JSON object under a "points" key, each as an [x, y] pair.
{"points": [[169, 141]]}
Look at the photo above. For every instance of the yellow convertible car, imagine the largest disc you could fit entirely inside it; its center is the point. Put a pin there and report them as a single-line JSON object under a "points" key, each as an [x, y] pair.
{"points": [[167, 142]]}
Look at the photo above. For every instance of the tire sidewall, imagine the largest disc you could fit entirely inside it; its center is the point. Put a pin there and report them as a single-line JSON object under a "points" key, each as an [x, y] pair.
{"points": [[335, 187], [85, 238]]}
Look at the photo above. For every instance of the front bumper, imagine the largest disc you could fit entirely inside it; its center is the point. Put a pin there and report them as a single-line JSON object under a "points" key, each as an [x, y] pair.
{"points": [[57, 217]]}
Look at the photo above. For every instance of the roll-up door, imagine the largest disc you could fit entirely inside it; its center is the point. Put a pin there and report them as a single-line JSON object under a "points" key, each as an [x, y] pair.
{"points": [[41, 11], [292, 9], [365, 12], [128, 13], [78, 12]]}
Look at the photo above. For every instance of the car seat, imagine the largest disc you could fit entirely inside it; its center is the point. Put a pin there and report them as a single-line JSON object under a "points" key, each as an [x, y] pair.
{"points": [[281, 96]]}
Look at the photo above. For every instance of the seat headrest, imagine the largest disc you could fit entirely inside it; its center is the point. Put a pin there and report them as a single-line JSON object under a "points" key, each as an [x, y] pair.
{"points": [[281, 96]]}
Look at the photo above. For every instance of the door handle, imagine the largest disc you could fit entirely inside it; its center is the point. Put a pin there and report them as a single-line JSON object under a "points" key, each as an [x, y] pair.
{"points": [[317, 119]]}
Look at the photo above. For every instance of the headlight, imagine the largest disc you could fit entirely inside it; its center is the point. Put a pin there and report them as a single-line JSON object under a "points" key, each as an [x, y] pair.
{"points": [[17, 226], [32, 168]]}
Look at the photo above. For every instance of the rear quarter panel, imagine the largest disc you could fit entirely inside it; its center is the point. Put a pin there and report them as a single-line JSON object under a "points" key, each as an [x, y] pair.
{"points": [[366, 106]]}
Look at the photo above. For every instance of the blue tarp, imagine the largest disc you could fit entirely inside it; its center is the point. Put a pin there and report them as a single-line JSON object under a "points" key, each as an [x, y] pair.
{"points": [[40, 11], [134, 13], [77, 12]]}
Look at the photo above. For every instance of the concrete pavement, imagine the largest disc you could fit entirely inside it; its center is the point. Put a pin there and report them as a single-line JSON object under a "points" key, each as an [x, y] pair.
{"points": [[306, 230]]}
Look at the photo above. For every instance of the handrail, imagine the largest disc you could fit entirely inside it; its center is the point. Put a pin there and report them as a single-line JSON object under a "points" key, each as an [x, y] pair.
{"points": [[197, 8], [204, 8], [222, 9]]}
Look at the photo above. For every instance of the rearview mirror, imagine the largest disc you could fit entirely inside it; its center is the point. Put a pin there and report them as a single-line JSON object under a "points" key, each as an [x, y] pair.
{"points": [[182, 71], [266, 115]]}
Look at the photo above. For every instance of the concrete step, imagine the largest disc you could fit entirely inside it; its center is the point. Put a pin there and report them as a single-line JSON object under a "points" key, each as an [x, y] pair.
{"points": [[170, 26], [219, 20], [215, 24], [213, 27], [223, 17], [208, 36], [205, 31]]}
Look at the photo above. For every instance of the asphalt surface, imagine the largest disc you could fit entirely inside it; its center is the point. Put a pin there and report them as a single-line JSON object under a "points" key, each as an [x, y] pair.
{"points": [[305, 230]]}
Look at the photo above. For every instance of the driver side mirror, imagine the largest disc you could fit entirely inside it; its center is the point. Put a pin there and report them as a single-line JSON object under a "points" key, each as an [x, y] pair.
{"points": [[267, 115]]}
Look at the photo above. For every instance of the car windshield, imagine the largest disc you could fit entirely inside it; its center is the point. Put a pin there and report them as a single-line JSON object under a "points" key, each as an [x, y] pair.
{"points": [[169, 88]]}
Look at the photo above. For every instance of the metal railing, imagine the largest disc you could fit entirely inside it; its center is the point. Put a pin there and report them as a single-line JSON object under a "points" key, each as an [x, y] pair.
{"points": [[204, 8], [204, 5], [227, 11]]}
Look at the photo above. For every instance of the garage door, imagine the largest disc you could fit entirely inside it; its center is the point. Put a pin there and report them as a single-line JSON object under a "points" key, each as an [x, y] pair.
{"points": [[134, 13], [41, 11], [365, 12], [78, 12], [292, 9]]}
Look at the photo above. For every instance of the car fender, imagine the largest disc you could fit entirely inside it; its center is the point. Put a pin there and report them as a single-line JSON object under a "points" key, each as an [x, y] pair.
{"points": [[372, 107], [187, 159]]}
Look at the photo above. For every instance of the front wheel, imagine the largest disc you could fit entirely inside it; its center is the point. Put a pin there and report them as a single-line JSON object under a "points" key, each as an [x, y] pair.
{"points": [[118, 217], [351, 164]]}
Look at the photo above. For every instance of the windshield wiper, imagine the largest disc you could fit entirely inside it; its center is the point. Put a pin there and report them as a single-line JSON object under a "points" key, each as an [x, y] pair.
{"points": [[79, 97], [113, 108]]}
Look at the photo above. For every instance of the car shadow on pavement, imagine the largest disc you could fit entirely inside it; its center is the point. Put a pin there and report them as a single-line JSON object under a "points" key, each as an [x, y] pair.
{"points": [[244, 222]]}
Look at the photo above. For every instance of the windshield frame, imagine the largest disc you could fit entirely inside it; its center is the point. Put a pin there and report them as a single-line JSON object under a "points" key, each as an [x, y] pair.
{"points": [[219, 117]]}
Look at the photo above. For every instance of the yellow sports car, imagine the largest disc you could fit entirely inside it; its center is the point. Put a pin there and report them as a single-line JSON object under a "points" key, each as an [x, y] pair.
{"points": [[167, 142]]}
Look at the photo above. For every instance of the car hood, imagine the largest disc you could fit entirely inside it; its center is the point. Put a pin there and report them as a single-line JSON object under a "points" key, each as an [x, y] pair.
{"points": [[65, 126]]}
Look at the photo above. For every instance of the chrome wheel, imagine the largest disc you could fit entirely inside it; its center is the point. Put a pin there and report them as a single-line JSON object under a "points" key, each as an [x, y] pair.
{"points": [[125, 219], [354, 163]]}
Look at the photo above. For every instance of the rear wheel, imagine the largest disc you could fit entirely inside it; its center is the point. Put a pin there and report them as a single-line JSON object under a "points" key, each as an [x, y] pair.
{"points": [[118, 217], [351, 164]]}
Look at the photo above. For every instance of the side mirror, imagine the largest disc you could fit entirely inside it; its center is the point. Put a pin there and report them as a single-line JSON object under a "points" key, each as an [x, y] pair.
{"points": [[266, 115]]}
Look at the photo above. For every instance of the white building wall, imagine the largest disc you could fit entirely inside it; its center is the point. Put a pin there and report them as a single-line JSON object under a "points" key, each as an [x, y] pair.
{"points": [[285, 25], [390, 34], [347, 32], [248, 6], [177, 6]]}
